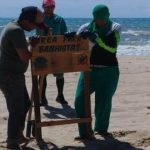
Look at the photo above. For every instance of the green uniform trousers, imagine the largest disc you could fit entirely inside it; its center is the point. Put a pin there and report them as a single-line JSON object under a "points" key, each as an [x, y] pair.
{"points": [[103, 81]]}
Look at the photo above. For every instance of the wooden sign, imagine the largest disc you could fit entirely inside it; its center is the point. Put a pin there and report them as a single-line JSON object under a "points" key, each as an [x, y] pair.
{"points": [[57, 54]]}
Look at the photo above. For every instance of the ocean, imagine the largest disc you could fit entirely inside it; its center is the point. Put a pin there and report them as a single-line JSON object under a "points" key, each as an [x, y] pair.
{"points": [[135, 36]]}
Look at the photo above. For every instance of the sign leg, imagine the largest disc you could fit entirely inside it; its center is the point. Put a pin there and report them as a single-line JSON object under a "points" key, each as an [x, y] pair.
{"points": [[87, 103], [38, 130]]}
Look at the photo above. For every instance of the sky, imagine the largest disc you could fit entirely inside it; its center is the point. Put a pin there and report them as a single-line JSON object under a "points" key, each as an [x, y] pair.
{"points": [[81, 8]]}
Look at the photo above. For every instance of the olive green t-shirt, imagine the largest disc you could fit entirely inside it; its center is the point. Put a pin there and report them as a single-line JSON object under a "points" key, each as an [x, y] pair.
{"points": [[12, 37]]}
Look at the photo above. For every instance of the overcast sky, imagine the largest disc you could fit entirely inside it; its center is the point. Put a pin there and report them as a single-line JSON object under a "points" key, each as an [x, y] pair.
{"points": [[81, 8]]}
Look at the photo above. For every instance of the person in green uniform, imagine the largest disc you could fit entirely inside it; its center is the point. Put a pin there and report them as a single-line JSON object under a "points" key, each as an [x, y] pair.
{"points": [[104, 36], [14, 59], [58, 26]]}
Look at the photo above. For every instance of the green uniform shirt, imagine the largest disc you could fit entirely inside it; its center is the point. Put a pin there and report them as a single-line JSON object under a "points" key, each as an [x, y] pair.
{"points": [[12, 37], [57, 24]]}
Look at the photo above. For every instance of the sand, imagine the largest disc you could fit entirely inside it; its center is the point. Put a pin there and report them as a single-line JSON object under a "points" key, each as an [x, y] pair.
{"points": [[130, 118]]}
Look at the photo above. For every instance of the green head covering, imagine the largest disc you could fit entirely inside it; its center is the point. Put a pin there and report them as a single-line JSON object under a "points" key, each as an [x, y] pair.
{"points": [[101, 12]]}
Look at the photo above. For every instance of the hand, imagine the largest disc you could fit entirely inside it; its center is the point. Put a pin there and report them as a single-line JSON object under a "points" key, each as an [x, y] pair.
{"points": [[70, 34], [87, 34], [93, 37], [34, 40]]}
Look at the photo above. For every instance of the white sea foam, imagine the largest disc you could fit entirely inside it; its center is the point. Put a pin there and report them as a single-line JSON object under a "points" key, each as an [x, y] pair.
{"points": [[2, 26], [136, 33], [134, 50]]}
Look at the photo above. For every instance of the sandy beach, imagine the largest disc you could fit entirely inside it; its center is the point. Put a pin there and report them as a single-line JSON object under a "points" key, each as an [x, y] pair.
{"points": [[130, 118]]}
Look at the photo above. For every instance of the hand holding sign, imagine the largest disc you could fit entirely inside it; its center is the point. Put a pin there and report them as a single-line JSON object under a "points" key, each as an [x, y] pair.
{"points": [[87, 34], [34, 40], [70, 34]]}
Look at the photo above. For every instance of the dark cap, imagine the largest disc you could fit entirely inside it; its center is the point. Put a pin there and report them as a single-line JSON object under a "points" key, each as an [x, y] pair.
{"points": [[33, 14], [28, 13]]}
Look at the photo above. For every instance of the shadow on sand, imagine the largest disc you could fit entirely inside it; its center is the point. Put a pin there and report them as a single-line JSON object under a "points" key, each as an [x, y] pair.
{"points": [[108, 143], [60, 113]]}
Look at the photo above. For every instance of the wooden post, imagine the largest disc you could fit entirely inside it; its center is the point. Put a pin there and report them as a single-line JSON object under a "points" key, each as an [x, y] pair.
{"points": [[29, 121], [87, 102], [38, 131]]}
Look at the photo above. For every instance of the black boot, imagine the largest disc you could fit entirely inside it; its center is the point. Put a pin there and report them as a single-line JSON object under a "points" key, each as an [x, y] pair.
{"points": [[61, 99], [60, 85], [43, 100]]}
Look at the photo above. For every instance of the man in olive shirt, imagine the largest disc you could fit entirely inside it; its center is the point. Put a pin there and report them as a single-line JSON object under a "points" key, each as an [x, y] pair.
{"points": [[14, 59]]}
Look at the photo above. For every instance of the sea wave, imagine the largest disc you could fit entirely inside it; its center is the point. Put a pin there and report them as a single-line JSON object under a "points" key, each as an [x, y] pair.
{"points": [[130, 50], [1, 27], [136, 33]]}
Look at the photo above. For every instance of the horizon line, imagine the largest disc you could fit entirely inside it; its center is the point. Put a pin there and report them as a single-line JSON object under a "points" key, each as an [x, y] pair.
{"points": [[89, 17]]}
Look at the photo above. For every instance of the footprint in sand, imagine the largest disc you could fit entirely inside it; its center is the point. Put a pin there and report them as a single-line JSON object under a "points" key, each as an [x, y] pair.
{"points": [[122, 133], [148, 107], [3, 145], [143, 142]]}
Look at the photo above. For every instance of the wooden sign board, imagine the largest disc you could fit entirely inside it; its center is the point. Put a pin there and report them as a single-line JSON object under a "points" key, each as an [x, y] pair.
{"points": [[57, 54]]}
